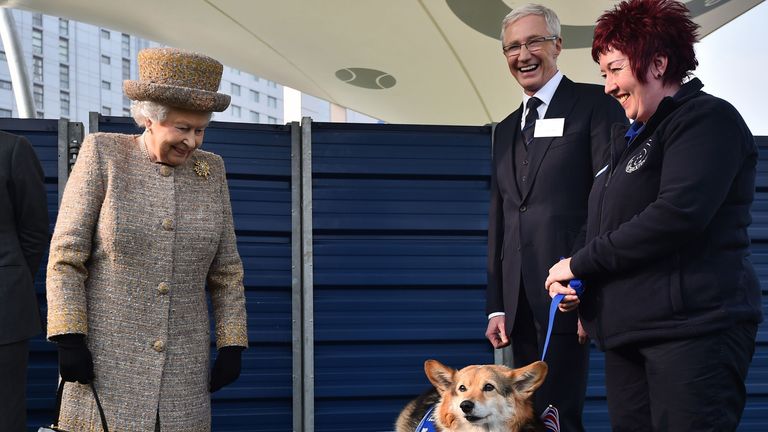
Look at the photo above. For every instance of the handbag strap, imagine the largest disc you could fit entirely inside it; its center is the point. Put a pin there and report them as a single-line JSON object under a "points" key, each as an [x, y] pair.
{"points": [[60, 394]]}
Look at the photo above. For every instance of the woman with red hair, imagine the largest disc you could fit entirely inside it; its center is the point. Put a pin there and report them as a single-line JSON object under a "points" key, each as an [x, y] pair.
{"points": [[669, 291]]}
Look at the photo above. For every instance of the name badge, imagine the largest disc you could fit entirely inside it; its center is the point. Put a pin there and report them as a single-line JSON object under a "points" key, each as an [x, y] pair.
{"points": [[551, 127]]}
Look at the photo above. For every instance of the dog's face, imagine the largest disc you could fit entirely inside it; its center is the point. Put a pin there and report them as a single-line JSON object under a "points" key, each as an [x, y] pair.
{"points": [[485, 397]]}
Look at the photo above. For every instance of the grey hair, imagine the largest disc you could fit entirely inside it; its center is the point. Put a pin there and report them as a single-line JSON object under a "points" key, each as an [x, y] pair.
{"points": [[550, 17], [141, 111]]}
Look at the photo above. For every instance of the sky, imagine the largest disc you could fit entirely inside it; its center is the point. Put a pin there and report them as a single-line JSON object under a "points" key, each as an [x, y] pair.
{"points": [[733, 64]]}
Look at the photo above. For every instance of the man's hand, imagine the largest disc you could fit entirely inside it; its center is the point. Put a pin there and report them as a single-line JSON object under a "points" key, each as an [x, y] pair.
{"points": [[497, 332]]}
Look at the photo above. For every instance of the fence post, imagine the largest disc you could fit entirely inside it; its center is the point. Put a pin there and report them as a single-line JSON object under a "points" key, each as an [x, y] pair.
{"points": [[71, 136], [302, 277]]}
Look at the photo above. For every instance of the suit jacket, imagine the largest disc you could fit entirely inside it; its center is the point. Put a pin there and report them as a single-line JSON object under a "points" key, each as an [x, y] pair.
{"points": [[533, 226], [134, 246], [23, 237]]}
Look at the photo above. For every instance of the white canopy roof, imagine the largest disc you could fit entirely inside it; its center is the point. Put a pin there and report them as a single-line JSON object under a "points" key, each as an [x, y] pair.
{"points": [[403, 61]]}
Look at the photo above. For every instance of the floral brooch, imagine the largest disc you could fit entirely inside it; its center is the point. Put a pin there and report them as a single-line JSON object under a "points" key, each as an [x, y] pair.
{"points": [[202, 168]]}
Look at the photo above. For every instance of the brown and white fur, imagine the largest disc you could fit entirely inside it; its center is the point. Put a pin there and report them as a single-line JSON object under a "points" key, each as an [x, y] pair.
{"points": [[478, 398]]}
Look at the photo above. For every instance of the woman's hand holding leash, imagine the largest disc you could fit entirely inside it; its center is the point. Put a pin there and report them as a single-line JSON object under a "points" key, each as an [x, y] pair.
{"points": [[560, 275]]}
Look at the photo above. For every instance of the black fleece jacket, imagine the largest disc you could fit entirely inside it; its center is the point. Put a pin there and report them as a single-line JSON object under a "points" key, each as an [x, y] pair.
{"points": [[667, 247]]}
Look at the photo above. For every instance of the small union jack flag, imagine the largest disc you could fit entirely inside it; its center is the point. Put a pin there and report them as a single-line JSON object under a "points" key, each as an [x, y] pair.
{"points": [[551, 419]]}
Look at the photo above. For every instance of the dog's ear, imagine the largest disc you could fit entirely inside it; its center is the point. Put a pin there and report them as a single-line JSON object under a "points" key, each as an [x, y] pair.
{"points": [[440, 375], [526, 380]]}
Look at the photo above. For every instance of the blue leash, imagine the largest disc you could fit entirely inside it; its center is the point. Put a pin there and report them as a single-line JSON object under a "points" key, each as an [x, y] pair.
{"points": [[579, 288]]}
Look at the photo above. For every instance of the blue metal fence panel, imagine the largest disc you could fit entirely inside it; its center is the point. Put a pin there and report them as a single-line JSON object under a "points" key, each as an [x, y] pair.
{"points": [[42, 372], [756, 412], [400, 219], [400, 215], [257, 159]]}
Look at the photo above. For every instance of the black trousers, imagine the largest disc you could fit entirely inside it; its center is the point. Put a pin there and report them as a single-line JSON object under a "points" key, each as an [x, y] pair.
{"points": [[13, 390], [568, 365], [694, 384]]}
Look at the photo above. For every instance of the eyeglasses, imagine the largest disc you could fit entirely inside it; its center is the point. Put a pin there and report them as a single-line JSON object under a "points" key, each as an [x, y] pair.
{"points": [[533, 45]]}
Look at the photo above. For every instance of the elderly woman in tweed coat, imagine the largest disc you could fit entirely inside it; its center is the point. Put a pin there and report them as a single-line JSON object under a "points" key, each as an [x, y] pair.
{"points": [[145, 223]]}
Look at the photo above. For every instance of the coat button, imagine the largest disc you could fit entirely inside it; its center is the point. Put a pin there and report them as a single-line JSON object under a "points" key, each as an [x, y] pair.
{"points": [[158, 346], [523, 208], [165, 170], [524, 178], [168, 224], [525, 162], [163, 288]]}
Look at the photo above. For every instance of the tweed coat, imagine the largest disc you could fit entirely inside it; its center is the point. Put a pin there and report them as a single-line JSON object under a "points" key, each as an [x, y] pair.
{"points": [[134, 245]]}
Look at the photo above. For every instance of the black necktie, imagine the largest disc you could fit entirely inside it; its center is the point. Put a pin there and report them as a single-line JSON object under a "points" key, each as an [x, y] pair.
{"points": [[530, 119]]}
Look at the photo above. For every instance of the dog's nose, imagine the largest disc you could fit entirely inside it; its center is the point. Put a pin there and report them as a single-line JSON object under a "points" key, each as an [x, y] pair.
{"points": [[467, 406]]}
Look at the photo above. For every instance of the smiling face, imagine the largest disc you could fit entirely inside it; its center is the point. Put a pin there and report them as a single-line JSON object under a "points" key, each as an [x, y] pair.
{"points": [[638, 99], [531, 70], [173, 140]]}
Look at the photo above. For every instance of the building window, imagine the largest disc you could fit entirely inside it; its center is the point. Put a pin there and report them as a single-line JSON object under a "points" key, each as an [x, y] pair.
{"points": [[255, 78], [126, 101], [37, 41], [236, 111], [255, 96], [64, 99], [37, 94], [37, 20], [6, 113], [107, 111], [63, 50], [106, 60], [235, 89], [106, 85], [6, 85], [271, 102], [105, 34], [64, 76], [254, 117], [126, 44], [271, 84], [272, 120], [2, 56], [37, 68], [126, 69], [63, 27], [126, 112]]}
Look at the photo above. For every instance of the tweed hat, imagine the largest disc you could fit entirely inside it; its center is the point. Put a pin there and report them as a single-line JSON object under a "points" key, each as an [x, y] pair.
{"points": [[178, 78]]}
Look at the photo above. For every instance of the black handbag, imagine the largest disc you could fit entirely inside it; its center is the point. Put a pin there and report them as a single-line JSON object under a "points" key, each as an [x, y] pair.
{"points": [[59, 393]]}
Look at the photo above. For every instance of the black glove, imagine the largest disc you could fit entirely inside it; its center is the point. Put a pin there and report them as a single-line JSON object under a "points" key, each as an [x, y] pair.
{"points": [[226, 368], [75, 361]]}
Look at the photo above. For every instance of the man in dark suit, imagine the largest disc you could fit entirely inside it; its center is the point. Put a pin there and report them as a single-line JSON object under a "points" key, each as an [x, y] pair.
{"points": [[23, 239], [545, 156]]}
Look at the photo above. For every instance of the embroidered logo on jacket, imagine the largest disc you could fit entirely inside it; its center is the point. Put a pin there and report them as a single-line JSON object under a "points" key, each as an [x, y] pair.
{"points": [[639, 159]]}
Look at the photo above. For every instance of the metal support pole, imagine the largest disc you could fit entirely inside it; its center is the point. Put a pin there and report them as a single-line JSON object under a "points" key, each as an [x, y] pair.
{"points": [[93, 122], [70, 138], [308, 292], [302, 277], [22, 89]]}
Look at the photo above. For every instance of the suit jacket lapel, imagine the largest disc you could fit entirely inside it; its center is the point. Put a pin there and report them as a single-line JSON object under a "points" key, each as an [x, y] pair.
{"points": [[559, 107], [512, 143]]}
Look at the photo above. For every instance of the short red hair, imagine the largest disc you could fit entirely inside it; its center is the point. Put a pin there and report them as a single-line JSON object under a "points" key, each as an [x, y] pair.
{"points": [[642, 29]]}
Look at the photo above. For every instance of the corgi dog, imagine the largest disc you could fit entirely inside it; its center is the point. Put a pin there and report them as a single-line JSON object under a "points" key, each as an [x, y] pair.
{"points": [[477, 398]]}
